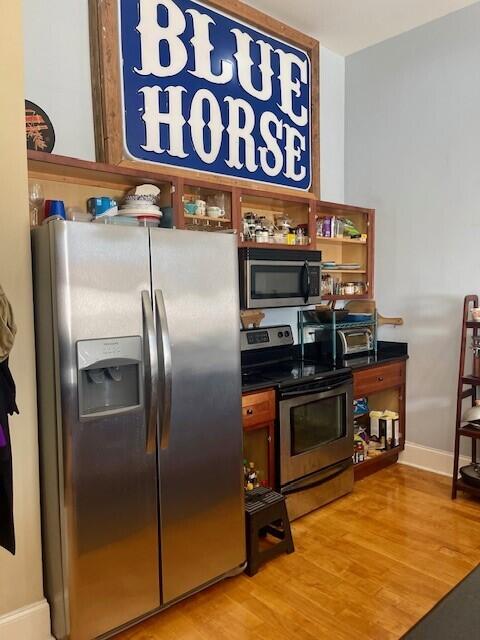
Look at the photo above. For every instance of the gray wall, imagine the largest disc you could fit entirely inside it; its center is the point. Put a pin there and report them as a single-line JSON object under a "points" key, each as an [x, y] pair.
{"points": [[57, 71], [413, 152], [57, 77]]}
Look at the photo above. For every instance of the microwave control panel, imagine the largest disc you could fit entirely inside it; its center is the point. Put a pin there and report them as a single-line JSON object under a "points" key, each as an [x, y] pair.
{"points": [[314, 282]]}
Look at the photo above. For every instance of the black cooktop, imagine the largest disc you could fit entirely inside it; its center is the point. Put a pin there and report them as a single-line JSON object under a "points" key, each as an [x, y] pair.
{"points": [[289, 371], [269, 357]]}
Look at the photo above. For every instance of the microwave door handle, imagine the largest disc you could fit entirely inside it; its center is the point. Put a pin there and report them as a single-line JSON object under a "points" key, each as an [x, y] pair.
{"points": [[306, 284], [165, 357], [151, 372]]}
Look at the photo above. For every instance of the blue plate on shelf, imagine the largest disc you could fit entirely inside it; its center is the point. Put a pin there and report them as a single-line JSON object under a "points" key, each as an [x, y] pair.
{"points": [[360, 317]]}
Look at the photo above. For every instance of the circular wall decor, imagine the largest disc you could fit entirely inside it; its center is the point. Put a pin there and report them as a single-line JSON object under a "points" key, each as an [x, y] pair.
{"points": [[38, 128]]}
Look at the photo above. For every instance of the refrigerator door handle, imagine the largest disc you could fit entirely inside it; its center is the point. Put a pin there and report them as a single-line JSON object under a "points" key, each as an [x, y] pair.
{"points": [[151, 372], [165, 356]]}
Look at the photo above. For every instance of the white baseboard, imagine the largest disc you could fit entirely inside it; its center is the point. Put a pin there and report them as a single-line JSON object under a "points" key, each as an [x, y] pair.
{"points": [[27, 623], [435, 460]]}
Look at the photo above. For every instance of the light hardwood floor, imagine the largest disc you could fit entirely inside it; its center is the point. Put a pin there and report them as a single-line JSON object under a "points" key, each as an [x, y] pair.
{"points": [[367, 566]]}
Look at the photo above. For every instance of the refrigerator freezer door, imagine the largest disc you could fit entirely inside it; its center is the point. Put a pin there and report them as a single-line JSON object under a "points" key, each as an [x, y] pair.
{"points": [[195, 278], [109, 480]]}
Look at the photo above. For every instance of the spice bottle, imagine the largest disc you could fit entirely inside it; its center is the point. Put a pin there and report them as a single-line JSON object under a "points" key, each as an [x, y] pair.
{"points": [[291, 237]]}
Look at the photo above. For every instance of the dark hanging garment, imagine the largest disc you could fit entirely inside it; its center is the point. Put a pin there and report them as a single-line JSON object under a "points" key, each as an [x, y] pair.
{"points": [[7, 407]]}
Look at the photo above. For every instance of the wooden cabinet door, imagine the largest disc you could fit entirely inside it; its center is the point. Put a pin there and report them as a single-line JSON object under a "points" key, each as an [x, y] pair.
{"points": [[258, 447], [258, 415], [258, 408], [378, 378]]}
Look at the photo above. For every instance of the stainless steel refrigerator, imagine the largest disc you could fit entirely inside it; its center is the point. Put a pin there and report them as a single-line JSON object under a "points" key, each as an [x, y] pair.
{"points": [[139, 387]]}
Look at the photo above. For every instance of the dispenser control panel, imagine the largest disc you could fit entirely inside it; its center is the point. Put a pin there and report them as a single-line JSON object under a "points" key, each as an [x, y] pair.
{"points": [[109, 376]]}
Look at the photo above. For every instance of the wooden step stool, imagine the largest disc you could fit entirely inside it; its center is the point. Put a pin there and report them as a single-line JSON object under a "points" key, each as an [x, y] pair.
{"points": [[266, 513]]}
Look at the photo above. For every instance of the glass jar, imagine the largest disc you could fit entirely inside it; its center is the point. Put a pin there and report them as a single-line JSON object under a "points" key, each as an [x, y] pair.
{"points": [[349, 289], [291, 237], [339, 227], [261, 235]]}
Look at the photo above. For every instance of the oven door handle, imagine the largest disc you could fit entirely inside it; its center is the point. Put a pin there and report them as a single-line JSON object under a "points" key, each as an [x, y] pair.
{"points": [[304, 392], [306, 284], [317, 479]]}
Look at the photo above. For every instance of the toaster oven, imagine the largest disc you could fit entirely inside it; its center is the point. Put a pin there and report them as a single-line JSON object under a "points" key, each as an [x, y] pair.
{"points": [[350, 341]]}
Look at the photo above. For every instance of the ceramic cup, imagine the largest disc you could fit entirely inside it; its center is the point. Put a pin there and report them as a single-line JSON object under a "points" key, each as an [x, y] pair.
{"points": [[190, 208], [55, 208], [476, 314], [215, 212], [99, 206], [201, 207]]}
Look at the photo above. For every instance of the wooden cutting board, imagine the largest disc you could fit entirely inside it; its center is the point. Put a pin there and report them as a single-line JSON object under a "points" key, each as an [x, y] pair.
{"points": [[369, 306]]}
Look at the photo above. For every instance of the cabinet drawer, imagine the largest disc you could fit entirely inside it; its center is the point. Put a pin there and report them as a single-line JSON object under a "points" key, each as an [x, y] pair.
{"points": [[258, 408], [378, 378]]}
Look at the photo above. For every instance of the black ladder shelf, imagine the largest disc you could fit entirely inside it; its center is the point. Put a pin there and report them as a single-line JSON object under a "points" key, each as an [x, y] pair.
{"points": [[471, 383]]}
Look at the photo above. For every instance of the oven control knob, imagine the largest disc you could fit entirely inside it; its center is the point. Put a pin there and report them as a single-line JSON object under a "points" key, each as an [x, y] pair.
{"points": [[280, 334]]}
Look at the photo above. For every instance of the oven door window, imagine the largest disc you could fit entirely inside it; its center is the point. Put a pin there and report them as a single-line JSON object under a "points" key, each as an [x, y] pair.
{"points": [[276, 281], [318, 423]]}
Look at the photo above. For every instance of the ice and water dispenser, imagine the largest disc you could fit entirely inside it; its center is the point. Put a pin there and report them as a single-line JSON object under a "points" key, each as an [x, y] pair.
{"points": [[109, 376]]}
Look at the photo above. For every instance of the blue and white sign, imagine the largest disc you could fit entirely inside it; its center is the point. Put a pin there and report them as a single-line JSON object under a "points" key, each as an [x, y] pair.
{"points": [[206, 92]]}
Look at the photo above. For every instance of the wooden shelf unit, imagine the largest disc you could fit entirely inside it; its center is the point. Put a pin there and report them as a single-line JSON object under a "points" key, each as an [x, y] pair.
{"points": [[385, 387], [345, 250], [279, 245], [74, 181], [353, 271], [223, 220], [472, 382], [270, 206], [339, 240], [191, 190], [374, 464]]}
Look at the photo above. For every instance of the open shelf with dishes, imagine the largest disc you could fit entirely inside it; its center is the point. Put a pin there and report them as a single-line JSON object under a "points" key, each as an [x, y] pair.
{"points": [[75, 182], [271, 219], [206, 207], [275, 221], [345, 236]]}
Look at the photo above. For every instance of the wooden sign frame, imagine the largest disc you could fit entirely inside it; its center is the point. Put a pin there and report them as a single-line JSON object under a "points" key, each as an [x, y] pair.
{"points": [[107, 102]]}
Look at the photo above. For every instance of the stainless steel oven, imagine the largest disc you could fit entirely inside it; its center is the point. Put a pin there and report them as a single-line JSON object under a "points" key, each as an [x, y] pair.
{"points": [[279, 278], [316, 442]]}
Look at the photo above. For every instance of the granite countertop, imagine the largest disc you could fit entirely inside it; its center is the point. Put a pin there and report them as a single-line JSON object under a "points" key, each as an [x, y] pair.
{"points": [[386, 352]]}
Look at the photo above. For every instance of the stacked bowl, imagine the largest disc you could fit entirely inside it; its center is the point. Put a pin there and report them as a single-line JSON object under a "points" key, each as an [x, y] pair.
{"points": [[140, 204]]}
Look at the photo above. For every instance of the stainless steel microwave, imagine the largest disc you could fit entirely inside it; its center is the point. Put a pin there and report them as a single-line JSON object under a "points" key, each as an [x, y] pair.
{"points": [[279, 278]]}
